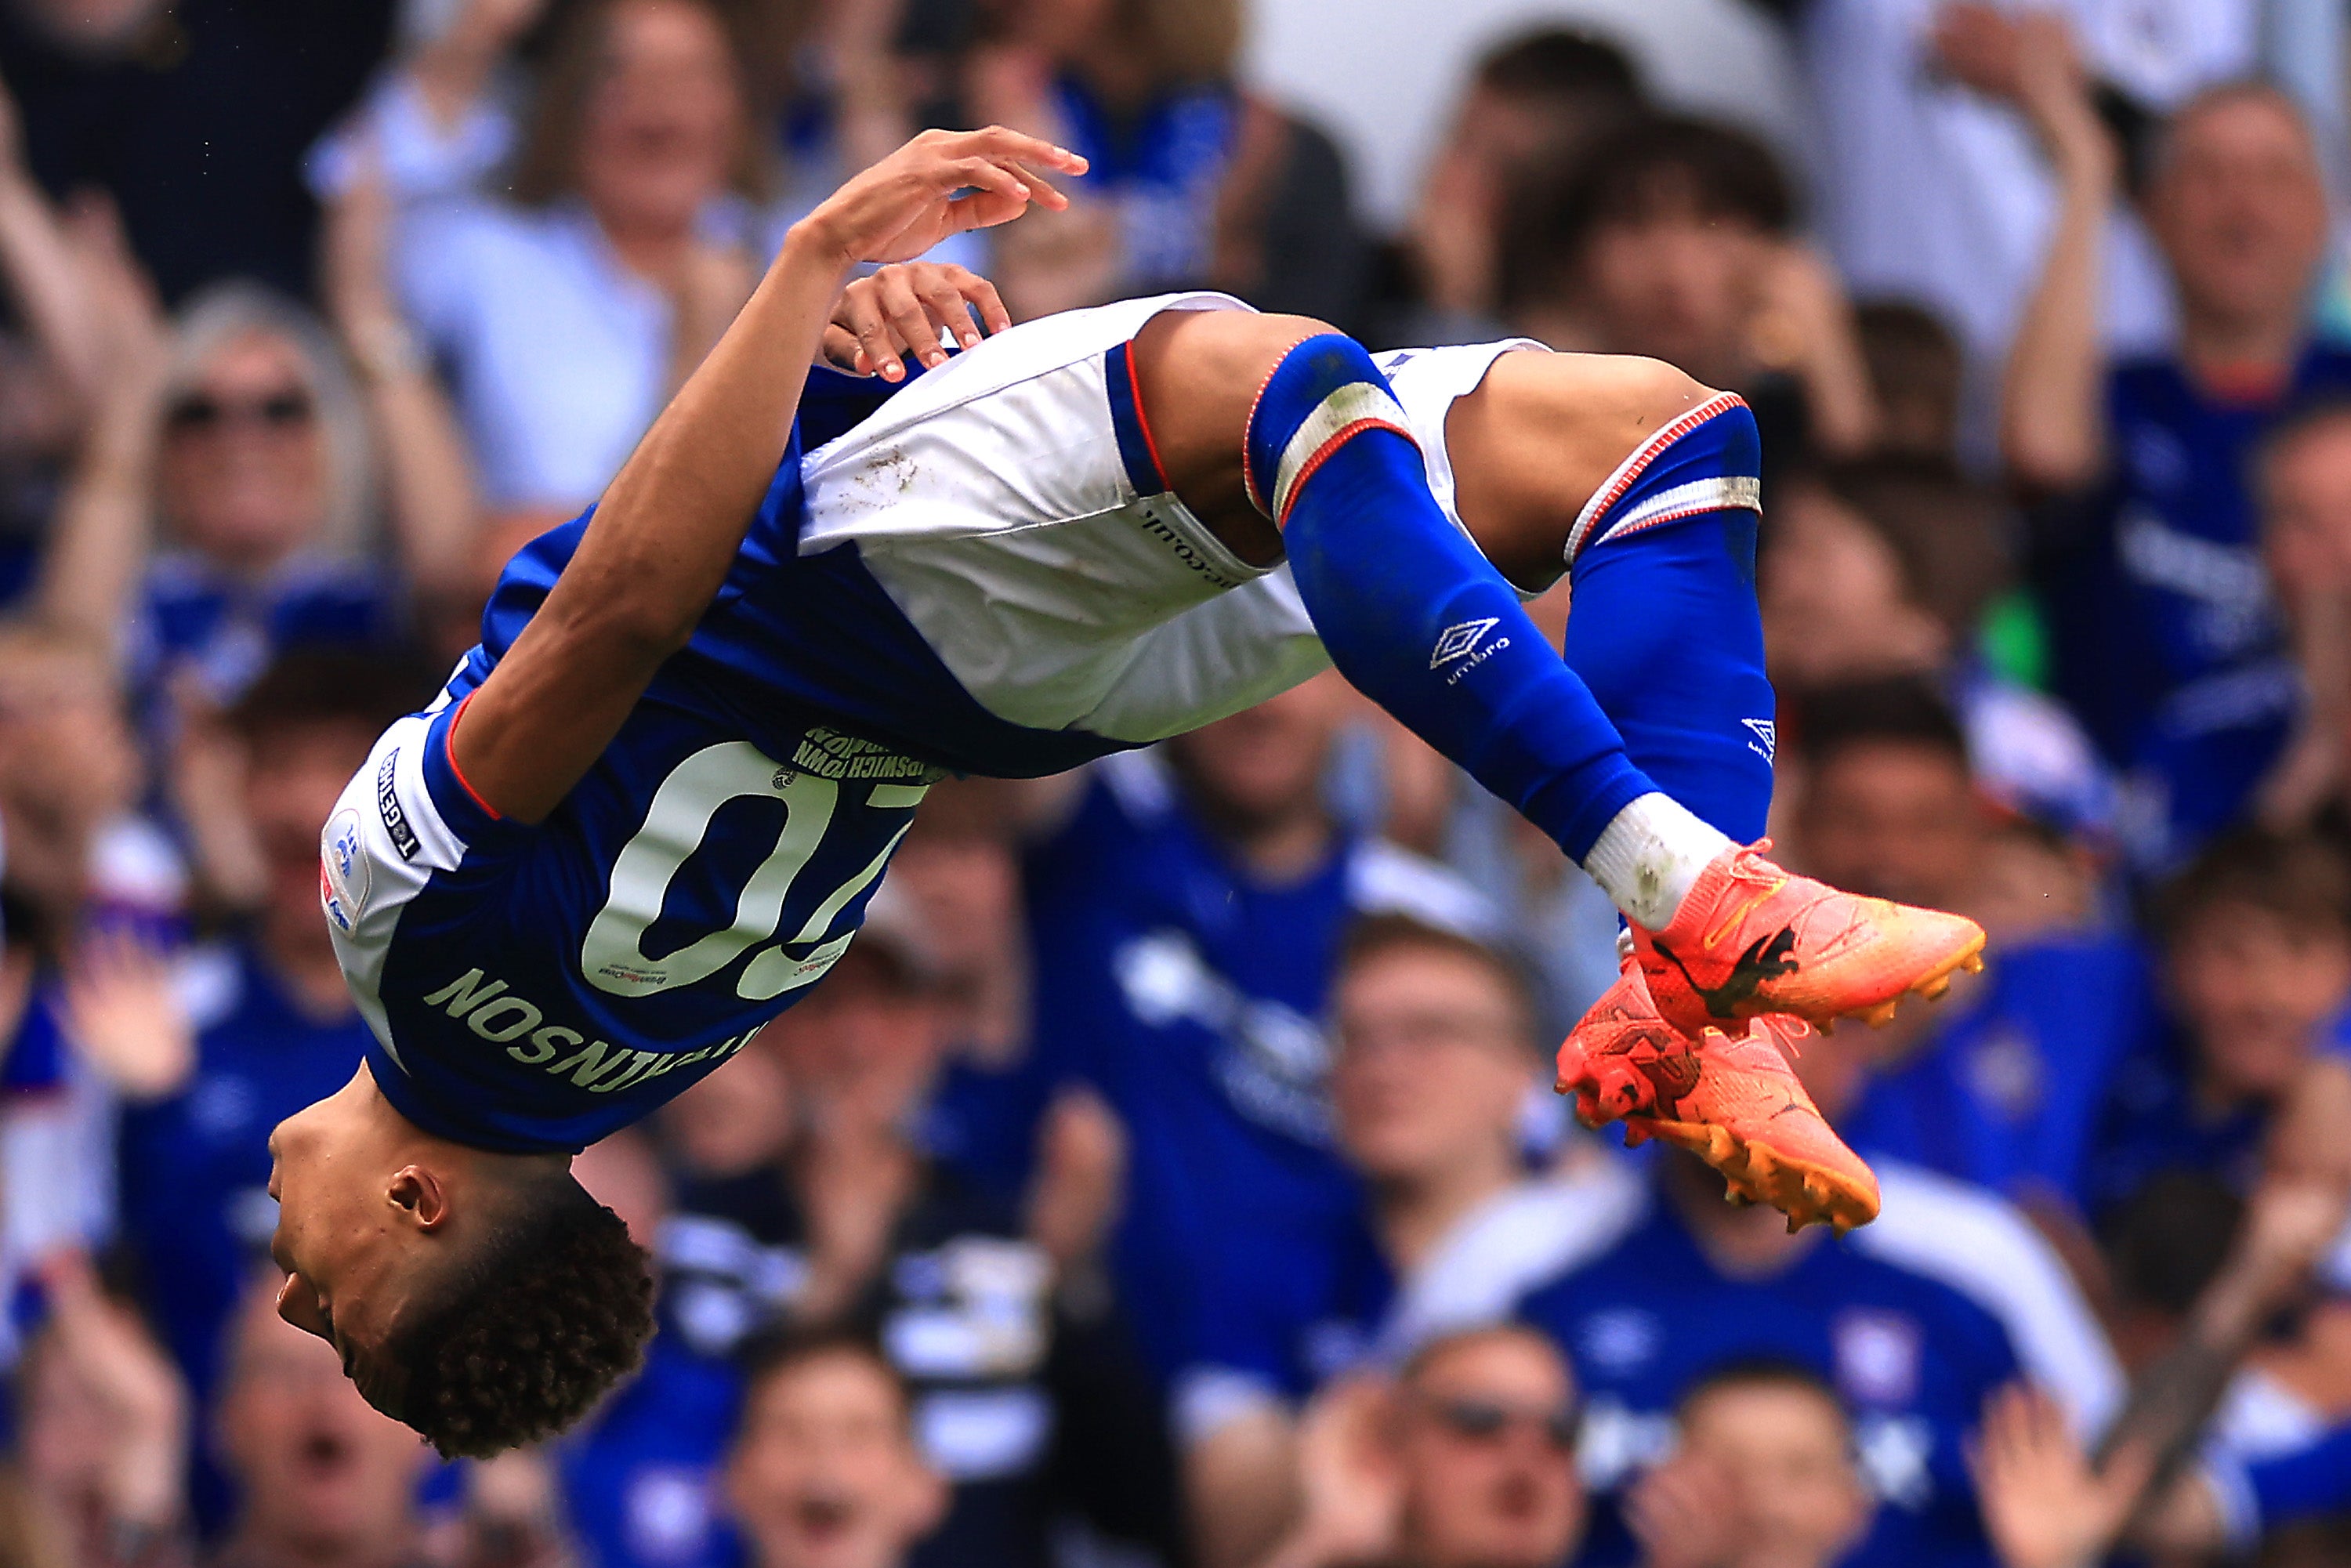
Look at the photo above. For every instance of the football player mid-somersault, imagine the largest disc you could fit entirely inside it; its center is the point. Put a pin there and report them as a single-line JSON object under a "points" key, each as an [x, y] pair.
{"points": [[648, 808]]}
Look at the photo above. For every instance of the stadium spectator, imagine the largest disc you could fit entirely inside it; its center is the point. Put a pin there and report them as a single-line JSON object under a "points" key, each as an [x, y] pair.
{"points": [[80, 863], [1764, 1475], [1195, 182], [2303, 481], [1674, 238], [1929, 186], [208, 1062], [1429, 1087], [2165, 634], [194, 118], [325, 1482], [1533, 99], [2003, 1086], [854, 1225], [239, 450], [1183, 921], [1918, 372], [2256, 957], [101, 1427], [1913, 1320], [826, 1471], [51, 362], [2047, 1504], [641, 1481], [959, 866], [1892, 565], [568, 314], [1466, 1461]]}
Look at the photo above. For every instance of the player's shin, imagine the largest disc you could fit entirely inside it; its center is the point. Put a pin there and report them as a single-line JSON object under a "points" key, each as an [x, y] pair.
{"points": [[1419, 621]]}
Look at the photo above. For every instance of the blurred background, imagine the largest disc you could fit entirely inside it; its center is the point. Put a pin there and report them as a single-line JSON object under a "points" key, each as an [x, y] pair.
{"points": [[1169, 1176]]}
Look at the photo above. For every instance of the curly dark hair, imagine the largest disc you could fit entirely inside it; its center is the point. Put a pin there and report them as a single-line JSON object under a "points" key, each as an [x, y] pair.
{"points": [[530, 1331]]}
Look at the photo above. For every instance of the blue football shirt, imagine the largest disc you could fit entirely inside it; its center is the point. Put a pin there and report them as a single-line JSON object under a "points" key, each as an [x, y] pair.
{"points": [[1912, 1357], [2166, 638]]}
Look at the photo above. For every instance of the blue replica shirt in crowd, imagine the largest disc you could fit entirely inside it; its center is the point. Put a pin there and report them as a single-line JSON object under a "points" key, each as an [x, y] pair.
{"points": [[2166, 639], [2006, 1091], [1191, 995], [643, 1482], [2291, 1487], [1161, 169], [2154, 1123], [1320, 1303], [227, 629], [1913, 1326]]}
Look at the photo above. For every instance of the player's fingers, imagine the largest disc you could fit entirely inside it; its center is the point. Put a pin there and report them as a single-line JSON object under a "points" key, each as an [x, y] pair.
{"points": [[984, 298], [908, 321], [947, 308], [996, 141], [982, 210], [841, 348], [986, 174], [1041, 189], [861, 313]]}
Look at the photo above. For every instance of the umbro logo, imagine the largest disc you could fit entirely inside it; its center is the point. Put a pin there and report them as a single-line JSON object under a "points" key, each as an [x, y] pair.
{"points": [[1460, 642], [1766, 743]]}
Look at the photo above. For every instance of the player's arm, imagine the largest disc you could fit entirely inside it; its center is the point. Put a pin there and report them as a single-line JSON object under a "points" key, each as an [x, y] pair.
{"points": [[668, 527]]}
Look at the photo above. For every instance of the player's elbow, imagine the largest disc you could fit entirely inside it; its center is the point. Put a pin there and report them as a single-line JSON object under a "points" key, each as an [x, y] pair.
{"points": [[631, 619]]}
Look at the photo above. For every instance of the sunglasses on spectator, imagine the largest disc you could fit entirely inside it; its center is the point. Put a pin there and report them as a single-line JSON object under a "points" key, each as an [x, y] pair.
{"points": [[201, 414], [1486, 1420]]}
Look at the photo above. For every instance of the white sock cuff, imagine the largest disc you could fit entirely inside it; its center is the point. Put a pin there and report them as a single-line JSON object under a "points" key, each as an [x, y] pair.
{"points": [[1648, 858]]}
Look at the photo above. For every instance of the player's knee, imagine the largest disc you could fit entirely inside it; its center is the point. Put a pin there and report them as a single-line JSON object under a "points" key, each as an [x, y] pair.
{"points": [[1198, 373], [1218, 354], [1652, 393]]}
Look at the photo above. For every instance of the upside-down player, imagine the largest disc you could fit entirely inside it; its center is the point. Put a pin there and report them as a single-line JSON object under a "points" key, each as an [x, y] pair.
{"points": [[648, 808]]}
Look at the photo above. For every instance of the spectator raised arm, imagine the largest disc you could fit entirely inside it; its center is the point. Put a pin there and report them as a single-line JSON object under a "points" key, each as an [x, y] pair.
{"points": [[98, 543], [428, 473], [43, 275], [2052, 424]]}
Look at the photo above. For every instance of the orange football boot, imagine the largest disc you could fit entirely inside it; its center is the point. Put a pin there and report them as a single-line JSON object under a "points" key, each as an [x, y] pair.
{"points": [[1734, 1102], [1752, 938]]}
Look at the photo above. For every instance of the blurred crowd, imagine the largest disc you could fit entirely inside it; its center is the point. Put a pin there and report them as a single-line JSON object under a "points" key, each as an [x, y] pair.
{"points": [[1168, 1176]]}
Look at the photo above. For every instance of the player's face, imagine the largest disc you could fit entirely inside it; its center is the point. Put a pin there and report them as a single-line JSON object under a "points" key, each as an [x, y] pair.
{"points": [[1487, 1462], [341, 1247], [1784, 1452], [1432, 1066]]}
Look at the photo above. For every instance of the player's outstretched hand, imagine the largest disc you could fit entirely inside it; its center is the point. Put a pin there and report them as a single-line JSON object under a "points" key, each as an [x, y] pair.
{"points": [[902, 310], [940, 183]]}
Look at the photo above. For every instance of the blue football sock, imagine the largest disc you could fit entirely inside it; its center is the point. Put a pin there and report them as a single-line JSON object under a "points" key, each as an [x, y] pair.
{"points": [[1411, 613], [1666, 634]]}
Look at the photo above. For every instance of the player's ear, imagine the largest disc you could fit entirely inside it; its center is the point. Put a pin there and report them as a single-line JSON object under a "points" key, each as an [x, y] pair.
{"points": [[419, 1196]]}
